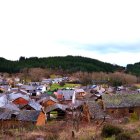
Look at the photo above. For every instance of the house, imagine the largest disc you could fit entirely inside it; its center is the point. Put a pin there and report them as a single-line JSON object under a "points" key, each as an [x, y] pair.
{"points": [[121, 105], [47, 101], [138, 90], [17, 79], [32, 105], [63, 111], [41, 88], [39, 96], [96, 111], [18, 98], [10, 106], [119, 88], [3, 82], [57, 80], [4, 88], [86, 111], [18, 90], [46, 81], [29, 89], [80, 93], [34, 83], [14, 89], [57, 111], [25, 118], [3, 100], [64, 94], [67, 94]]}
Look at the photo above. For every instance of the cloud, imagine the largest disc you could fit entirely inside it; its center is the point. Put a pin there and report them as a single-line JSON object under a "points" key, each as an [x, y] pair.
{"points": [[113, 48], [103, 30], [104, 48]]}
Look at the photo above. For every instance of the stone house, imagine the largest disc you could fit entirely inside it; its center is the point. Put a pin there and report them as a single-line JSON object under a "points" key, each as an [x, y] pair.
{"points": [[122, 105]]}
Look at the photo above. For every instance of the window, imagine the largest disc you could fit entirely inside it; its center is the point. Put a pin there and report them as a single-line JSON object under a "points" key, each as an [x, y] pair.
{"points": [[112, 111], [33, 94], [13, 116], [131, 110]]}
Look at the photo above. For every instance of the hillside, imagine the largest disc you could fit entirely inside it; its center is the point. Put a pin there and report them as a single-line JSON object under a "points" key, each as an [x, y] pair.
{"points": [[134, 68], [67, 63]]}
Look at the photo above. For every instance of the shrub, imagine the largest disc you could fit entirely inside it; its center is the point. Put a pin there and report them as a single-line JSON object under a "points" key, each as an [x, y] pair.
{"points": [[134, 117], [123, 136], [52, 137], [110, 130]]}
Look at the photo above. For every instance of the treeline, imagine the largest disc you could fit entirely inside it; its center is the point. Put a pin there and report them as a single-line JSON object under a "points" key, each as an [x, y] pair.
{"points": [[68, 63], [134, 69], [113, 79]]}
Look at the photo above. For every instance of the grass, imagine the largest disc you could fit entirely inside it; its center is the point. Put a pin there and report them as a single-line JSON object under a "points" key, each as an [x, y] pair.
{"points": [[111, 138], [86, 132], [134, 117], [57, 86], [61, 130], [137, 85]]}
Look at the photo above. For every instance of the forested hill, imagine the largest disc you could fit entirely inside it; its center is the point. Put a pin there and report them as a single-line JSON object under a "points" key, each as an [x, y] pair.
{"points": [[68, 63], [134, 68]]}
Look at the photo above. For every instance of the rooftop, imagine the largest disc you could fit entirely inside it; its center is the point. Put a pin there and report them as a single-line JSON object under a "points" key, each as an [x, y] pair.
{"points": [[121, 100]]}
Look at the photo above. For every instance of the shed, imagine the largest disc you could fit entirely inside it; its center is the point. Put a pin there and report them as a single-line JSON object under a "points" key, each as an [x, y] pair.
{"points": [[23, 118], [57, 111]]}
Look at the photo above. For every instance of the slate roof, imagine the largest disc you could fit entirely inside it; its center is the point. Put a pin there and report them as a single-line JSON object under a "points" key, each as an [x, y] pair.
{"points": [[93, 86], [79, 90], [28, 87], [6, 115], [121, 100], [5, 87], [66, 93], [56, 106], [22, 91], [2, 94], [34, 105], [44, 95], [35, 83], [14, 89], [47, 99], [10, 106], [28, 115], [14, 96], [95, 110], [3, 100], [24, 115], [46, 81], [2, 110]]}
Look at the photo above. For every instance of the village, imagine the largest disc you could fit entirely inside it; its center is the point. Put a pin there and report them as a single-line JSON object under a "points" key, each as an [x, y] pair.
{"points": [[69, 70], [59, 99]]}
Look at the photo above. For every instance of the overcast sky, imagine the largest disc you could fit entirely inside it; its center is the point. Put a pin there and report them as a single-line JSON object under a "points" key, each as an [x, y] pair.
{"points": [[107, 30]]}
